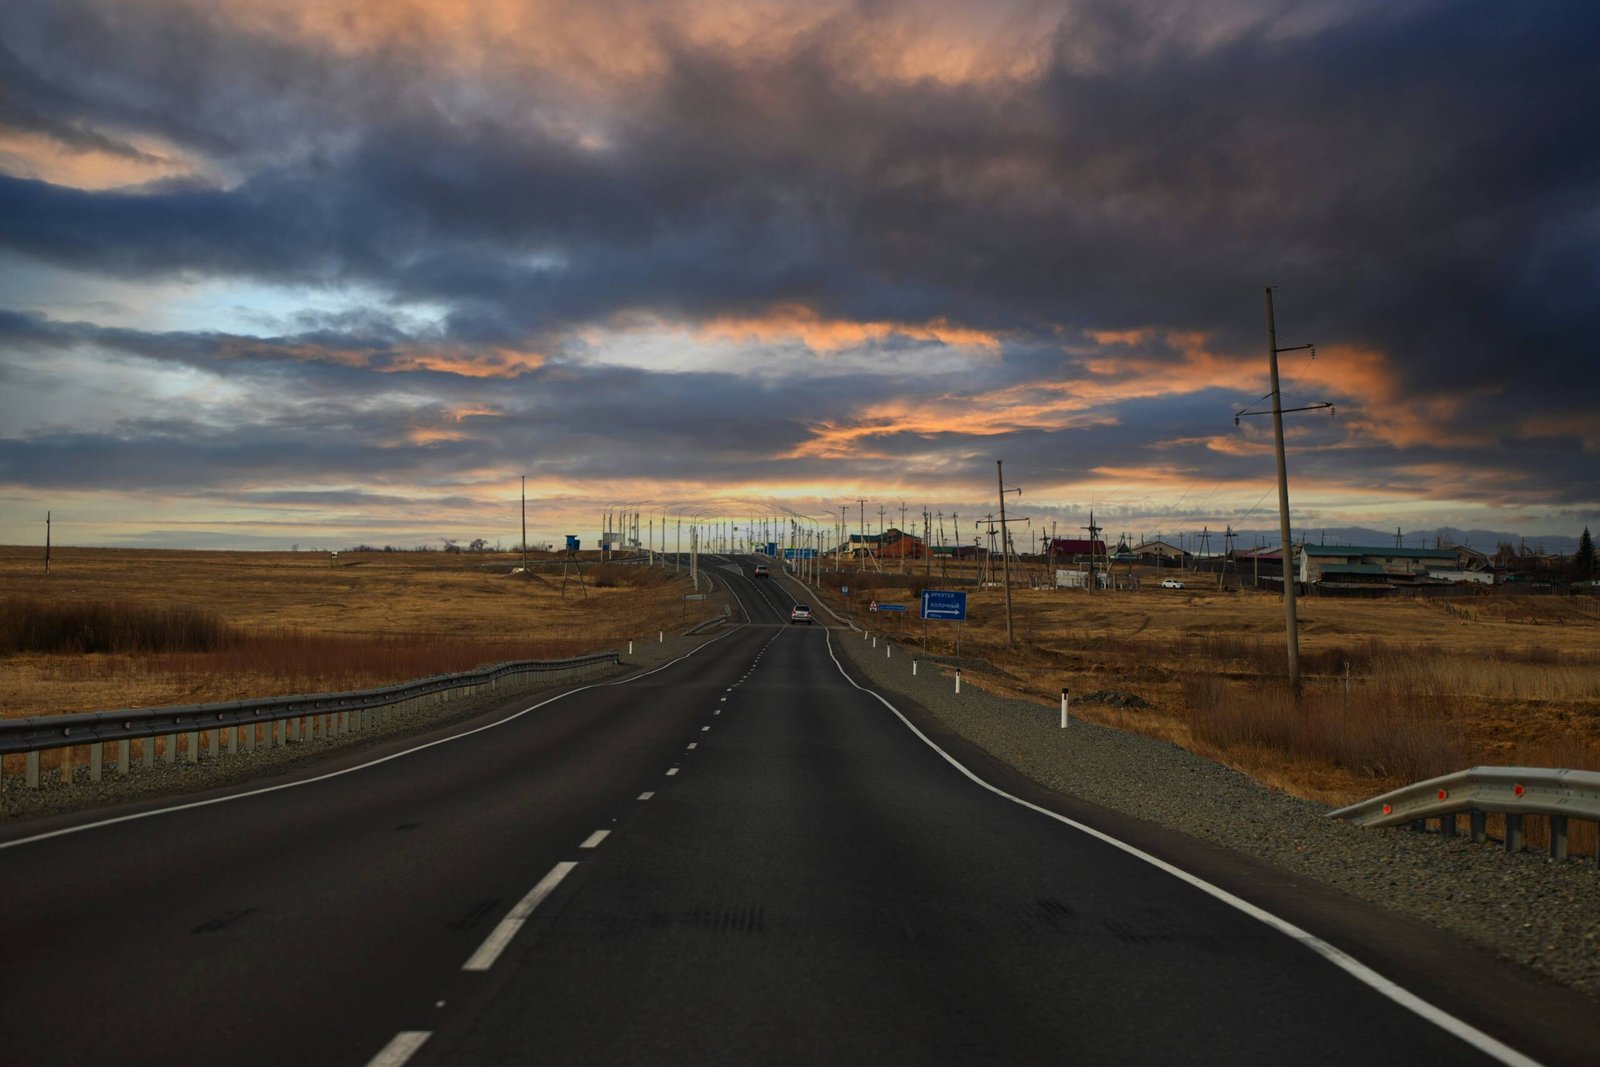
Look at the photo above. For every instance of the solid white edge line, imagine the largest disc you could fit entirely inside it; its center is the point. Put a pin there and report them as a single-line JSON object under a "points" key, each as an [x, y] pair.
{"points": [[1468, 1033], [507, 928], [594, 839], [400, 1048], [64, 831]]}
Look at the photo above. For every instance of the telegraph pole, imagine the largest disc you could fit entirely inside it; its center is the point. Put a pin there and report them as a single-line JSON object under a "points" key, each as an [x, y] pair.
{"points": [[1290, 621], [1005, 556], [47, 542], [863, 503], [524, 527]]}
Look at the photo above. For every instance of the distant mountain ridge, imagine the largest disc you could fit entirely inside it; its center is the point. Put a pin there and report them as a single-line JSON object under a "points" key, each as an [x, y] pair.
{"points": [[1482, 540]]}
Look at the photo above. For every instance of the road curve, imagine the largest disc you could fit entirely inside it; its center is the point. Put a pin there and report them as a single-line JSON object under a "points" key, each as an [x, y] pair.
{"points": [[741, 857]]}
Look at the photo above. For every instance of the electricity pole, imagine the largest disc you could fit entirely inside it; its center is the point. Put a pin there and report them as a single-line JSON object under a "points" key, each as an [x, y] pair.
{"points": [[524, 527], [1005, 556], [1290, 621]]}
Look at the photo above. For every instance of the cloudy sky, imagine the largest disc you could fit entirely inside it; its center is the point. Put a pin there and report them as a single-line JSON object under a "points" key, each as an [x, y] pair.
{"points": [[321, 271]]}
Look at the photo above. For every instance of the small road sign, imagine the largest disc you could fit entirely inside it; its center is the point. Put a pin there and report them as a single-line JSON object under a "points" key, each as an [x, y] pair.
{"points": [[890, 607], [694, 596], [945, 604]]}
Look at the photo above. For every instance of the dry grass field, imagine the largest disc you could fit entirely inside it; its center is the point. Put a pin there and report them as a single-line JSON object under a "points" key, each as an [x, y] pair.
{"points": [[141, 628], [1396, 690]]}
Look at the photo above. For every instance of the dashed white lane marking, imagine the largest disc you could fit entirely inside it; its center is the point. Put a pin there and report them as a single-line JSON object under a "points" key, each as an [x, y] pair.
{"points": [[502, 934], [724, 700], [98, 823], [401, 1048], [717, 712], [594, 839], [703, 729], [671, 771], [646, 795], [693, 745]]}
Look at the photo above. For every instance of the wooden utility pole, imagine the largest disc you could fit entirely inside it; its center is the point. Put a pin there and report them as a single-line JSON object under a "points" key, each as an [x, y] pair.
{"points": [[1290, 621], [47, 542], [1005, 557], [524, 527]]}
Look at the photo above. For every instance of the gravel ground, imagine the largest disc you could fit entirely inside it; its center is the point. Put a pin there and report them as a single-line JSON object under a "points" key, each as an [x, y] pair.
{"points": [[52, 797], [1524, 907]]}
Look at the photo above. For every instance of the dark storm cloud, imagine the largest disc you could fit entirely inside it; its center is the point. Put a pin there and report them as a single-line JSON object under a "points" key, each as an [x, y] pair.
{"points": [[1420, 182]]}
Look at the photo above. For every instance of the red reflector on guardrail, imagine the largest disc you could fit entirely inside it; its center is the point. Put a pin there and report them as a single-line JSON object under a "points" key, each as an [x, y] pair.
{"points": [[1387, 809], [1517, 789], [1443, 794]]}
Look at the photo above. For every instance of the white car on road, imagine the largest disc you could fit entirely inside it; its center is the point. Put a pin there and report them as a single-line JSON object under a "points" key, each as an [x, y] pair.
{"points": [[800, 613], [1171, 583]]}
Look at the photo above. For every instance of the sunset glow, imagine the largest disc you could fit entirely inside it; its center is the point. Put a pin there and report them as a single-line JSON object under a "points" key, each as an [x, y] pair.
{"points": [[345, 272]]}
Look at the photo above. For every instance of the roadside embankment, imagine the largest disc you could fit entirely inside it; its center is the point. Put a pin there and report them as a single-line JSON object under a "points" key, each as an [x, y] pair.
{"points": [[1523, 906]]}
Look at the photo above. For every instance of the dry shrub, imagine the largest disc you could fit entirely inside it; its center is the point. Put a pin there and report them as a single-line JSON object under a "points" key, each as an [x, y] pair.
{"points": [[29, 624], [1371, 731]]}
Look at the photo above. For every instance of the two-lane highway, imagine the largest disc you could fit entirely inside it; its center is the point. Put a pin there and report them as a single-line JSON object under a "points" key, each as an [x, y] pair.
{"points": [[741, 857]]}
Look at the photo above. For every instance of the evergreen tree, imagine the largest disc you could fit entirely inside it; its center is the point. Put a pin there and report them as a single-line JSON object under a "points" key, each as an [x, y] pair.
{"points": [[1583, 561]]}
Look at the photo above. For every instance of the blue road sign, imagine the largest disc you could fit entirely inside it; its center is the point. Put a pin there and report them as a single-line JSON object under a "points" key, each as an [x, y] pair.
{"points": [[944, 604], [891, 607]]}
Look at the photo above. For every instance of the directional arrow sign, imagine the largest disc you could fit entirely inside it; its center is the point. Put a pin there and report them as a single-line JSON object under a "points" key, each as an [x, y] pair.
{"points": [[944, 604]]}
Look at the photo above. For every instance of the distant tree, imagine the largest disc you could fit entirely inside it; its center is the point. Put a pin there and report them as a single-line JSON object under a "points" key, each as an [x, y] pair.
{"points": [[1583, 559], [1505, 553], [478, 544]]}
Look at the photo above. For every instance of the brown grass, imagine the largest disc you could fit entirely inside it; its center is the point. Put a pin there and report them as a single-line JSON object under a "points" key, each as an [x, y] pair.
{"points": [[1396, 690], [126, 628]]}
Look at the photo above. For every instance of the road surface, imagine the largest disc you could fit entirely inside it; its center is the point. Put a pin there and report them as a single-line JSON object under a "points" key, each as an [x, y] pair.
{"points": [[741, 857]]}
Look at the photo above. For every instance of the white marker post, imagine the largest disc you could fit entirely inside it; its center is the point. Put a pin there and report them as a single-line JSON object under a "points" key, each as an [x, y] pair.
{"points": [[661, 637], [888, 650], [1063, 708], [958, 679], [630, 648], [913, 668]]}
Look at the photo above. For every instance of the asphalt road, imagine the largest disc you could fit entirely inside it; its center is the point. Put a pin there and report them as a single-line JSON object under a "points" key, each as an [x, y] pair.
{"points": [[738, 858]]}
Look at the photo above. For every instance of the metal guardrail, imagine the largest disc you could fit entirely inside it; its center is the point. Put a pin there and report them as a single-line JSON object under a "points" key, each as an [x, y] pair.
{"points": [[287, 719], [1514, 792]]}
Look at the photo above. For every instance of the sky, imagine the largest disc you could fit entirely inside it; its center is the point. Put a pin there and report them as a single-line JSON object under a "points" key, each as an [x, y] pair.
{"points": [[322, 272]]}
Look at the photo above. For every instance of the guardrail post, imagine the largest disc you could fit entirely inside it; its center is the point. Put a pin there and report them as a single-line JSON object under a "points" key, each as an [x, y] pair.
{"points": [[30, 772], [1447, 825], [233, 740], [66, 766], [170, 753], [194, 746], [97, 757], [1480, 826], [1558, 837], [1513, 833], [124, 757]]}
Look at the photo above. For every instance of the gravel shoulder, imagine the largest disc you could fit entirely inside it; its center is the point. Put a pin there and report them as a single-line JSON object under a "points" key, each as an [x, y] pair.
{"points": [[1522, 907]]}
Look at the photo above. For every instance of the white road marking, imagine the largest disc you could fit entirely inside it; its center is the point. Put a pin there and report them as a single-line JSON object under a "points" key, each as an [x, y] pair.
{"points": [[717, 712], [703, 729], [646, 795], [693, 745], [724, 699], [400, 1048], [594, 839], [502, 934], [1479, 1040], [349, 770], [671, 771]]}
